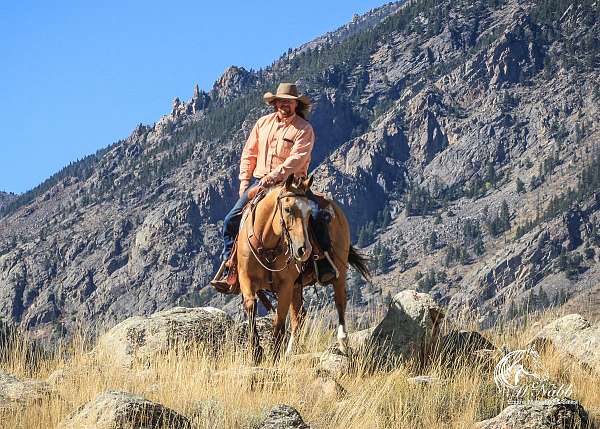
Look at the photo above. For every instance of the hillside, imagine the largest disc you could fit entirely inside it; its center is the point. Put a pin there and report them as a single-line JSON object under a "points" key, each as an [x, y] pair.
{"points": [[5, 198], [459, 137]]}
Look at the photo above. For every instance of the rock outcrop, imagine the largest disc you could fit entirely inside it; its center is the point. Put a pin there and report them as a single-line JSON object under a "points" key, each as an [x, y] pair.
{"points": [[283, 417], [139, 338], [428, 117], [573, 337], [409, 329], [550, 414], [113, 410], [458, 346], [15, 392]]}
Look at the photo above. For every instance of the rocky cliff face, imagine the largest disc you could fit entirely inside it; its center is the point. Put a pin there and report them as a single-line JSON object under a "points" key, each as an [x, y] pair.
{"points": [[460, 140], [5, 198]]}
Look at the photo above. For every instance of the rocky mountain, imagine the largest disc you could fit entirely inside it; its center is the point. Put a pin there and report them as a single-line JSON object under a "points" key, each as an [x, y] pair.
{"points": [[460, 138], [5, 198]]}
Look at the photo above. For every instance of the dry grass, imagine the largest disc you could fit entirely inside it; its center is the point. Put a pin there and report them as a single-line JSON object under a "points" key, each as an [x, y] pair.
{"points": [[217, 394]]}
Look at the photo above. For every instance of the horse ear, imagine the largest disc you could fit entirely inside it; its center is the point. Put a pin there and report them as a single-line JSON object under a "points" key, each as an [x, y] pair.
{"points": [[308, 182], [289, 181]]}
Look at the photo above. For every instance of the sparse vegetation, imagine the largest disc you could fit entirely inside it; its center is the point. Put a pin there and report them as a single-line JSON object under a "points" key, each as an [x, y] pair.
{"points": [[194, 381]]}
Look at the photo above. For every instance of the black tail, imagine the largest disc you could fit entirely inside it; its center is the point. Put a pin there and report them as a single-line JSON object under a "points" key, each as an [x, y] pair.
{"points": [[360, 263]]}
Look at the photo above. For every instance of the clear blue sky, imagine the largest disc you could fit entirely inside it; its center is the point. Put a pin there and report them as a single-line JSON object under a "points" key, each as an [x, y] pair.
{"points": [[76, 76]]}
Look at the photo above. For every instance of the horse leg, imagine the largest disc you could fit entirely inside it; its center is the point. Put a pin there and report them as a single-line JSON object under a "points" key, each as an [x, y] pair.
{"points": [[253, 338], [283, 304], [297, 315], [339, 289]]}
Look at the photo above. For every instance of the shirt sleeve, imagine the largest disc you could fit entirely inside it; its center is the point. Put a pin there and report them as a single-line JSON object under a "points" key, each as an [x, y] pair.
{"points": [[249, 154], [298, 157]]}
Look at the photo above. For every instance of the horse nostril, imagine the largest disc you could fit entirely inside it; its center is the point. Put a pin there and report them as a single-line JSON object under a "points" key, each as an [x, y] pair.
{"points": [[301, 251]]}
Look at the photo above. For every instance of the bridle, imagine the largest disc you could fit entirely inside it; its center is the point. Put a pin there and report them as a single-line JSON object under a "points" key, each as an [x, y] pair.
{"points": [[285, 237]]}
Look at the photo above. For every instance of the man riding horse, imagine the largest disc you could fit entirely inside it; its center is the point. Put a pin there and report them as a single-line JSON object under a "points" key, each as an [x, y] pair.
{"points": [[279, 145]]}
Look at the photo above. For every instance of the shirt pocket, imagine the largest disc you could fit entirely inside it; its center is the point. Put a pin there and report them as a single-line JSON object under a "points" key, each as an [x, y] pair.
{"points": [[284, 147]]}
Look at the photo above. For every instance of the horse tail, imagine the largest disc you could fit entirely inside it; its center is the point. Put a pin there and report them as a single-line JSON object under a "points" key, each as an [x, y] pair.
{"points": [[359, 262]]}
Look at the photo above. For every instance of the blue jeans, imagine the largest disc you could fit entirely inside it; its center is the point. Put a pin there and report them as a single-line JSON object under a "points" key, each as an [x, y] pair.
{"points": [[231, 223]]}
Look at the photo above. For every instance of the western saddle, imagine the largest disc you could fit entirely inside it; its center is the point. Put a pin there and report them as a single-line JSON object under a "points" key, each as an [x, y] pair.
{"points": [[267, 256]]}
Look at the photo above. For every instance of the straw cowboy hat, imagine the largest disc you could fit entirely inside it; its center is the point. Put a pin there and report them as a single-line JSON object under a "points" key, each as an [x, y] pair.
{"points": [[289, 91]]}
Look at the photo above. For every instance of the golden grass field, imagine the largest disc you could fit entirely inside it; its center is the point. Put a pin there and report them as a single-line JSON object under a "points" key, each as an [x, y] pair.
{"points": [[216, 394]]}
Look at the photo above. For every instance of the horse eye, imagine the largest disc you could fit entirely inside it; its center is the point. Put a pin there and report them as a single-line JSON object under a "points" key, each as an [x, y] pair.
{"points": [[287, 210]]}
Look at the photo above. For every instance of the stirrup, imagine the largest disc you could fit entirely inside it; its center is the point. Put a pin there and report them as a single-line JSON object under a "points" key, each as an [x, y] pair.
{"points": [[220, 281], [335, 273]]}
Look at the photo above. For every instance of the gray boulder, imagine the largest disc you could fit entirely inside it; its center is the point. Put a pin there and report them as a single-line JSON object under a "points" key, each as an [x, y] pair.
{"points": [[457, 345], [120, 410], [283, 417], [409, 328], [573, 337], [334, 364], [15, 392], [141, 338], [550, 414]]}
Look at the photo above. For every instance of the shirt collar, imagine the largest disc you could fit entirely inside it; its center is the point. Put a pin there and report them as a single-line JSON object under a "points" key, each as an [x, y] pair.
{"points": [[286, 121]]}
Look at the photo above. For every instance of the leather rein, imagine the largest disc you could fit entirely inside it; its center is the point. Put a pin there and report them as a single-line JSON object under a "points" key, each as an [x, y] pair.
{"points": [[270, 255]]}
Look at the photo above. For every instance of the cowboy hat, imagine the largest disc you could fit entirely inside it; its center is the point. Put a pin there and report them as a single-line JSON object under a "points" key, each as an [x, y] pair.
{"points": [[287, 91]]}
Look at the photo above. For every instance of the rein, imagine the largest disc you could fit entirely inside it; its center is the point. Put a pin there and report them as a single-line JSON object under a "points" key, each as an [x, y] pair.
{"points": [[284, 236]]}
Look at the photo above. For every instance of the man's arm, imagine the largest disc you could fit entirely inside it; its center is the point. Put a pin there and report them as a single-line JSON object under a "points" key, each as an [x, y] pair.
{"points": [[298, 156], [248, 159]]}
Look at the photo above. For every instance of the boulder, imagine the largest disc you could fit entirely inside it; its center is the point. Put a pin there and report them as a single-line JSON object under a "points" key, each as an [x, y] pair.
{"points": [[16, 392], [409, 328], [324, 388], [458, 345], [574, 337], [549, 414], [141, 338], [283, 417], [264, 327], [333, 364], [359, 341], [120, 410]]}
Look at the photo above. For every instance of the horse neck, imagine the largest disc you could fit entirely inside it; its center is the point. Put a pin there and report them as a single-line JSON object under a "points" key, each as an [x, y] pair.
{"points": [[265, 216]]}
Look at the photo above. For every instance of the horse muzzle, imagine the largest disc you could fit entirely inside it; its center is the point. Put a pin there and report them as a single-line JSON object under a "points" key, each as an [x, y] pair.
{"points": [[302, 253]]}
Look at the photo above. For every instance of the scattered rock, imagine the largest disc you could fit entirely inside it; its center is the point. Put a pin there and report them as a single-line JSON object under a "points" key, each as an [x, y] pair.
{"points": [[324, 388], [16, 392], [283, 417], [409, 327], [549, 414], [140, 338], [359, 340], [264, 327], [337, 365], [574, 337], [120, 410], [456, 346]]}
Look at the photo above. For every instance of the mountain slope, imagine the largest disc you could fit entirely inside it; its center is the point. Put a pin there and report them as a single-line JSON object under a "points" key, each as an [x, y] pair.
{"points": [[444, 130]]}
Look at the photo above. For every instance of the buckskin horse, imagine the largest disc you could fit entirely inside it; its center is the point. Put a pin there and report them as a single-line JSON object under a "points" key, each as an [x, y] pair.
{"points": [[273, 247]]}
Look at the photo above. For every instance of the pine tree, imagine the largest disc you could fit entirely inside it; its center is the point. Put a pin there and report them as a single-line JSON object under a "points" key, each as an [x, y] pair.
{"points": [[504, 216], [520, 186]]}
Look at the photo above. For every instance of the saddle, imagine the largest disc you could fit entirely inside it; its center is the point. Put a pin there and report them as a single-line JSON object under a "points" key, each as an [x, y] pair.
{"points": [[307, 275]]}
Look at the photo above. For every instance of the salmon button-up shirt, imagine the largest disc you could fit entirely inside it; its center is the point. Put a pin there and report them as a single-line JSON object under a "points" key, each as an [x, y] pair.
{"points": [[277, 148]]}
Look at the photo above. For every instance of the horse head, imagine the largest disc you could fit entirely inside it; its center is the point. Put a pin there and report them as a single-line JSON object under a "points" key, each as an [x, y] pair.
{"points": [[296, 209]]}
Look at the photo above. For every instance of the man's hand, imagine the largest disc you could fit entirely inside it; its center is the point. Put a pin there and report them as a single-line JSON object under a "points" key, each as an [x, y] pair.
{"points": [[266, 181]]}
